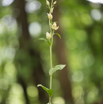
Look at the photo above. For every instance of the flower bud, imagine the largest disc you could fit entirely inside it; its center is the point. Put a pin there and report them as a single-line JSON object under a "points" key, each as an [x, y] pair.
{"points": [[47, 2], [51, 10], [55, 2], [54, 26], [50, 16], [48, 35]]}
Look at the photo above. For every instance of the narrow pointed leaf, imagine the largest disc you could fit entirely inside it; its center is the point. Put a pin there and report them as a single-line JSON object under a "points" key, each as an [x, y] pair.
{"points": [[57, 67], [48, 7], [44, 40], [41, 39], [58, 35], [49, 91], [49, 42]]}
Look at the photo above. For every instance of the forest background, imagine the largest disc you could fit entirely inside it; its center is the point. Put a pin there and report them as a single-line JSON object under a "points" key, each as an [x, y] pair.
{"points": [[25, 63]]}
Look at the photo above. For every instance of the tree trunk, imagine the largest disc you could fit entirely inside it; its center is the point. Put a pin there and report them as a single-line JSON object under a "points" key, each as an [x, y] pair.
{"points": [[38, 75]]}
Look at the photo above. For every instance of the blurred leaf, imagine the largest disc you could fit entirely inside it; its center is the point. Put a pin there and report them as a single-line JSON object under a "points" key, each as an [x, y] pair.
{"points": [[44, 40], [41, 39], [58, 35], [57, 67], [49, 42], [49, 91], [48, 7]]}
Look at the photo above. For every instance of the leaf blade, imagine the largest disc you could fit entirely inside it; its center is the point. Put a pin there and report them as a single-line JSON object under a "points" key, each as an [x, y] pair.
{"points": [[41, 39], [58, 35], [49, 42], [49, 91], [44, 40], [57, 67]]}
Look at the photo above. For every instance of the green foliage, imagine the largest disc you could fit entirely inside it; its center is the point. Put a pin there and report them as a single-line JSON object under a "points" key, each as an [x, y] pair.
{"points": [[58, 35], [44, 40], [83, 37], [57, 67], [49, 91]]}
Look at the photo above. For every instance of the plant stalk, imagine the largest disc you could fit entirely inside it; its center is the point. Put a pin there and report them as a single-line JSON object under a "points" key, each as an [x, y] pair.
{"points": [[50, 69], [51, 54]]}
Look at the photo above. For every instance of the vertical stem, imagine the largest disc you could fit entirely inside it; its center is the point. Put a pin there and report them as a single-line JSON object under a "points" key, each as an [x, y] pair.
{"points": [[51, 66], [51, 54], [50, 69], [51, 3]]}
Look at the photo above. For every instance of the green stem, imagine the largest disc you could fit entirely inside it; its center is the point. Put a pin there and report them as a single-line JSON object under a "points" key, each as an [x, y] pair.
{"points": [[51, 3], [49, 100], [51, 54], [50, 69]]}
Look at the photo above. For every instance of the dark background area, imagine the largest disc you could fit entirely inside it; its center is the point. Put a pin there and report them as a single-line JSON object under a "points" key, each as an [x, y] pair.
{"points": [[24, 63]]}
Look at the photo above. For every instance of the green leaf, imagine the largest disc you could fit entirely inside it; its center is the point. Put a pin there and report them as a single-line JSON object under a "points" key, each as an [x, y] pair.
{"points": [[57, 67], [48, 7], [41, 39], [49, 91], [58, 35], [49, 42], [44, 40]]}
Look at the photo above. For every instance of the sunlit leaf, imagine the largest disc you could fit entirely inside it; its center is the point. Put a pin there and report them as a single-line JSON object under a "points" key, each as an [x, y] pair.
{"points": [[57, 67], [49, 91]]}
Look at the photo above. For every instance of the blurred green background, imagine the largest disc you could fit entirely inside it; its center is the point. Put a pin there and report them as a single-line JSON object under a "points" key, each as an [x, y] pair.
{"points": [[25, 63]]}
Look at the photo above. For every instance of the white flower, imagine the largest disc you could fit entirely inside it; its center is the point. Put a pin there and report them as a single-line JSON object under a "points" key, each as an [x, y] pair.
{"points": [[96, 1], [54, 26], [51, 10], [55, 2], [47, 2], [50, 16], [48, 35]]}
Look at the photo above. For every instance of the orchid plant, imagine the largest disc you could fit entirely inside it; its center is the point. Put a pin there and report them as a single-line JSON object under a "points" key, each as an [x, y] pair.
{"points": [[49, 39]]}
